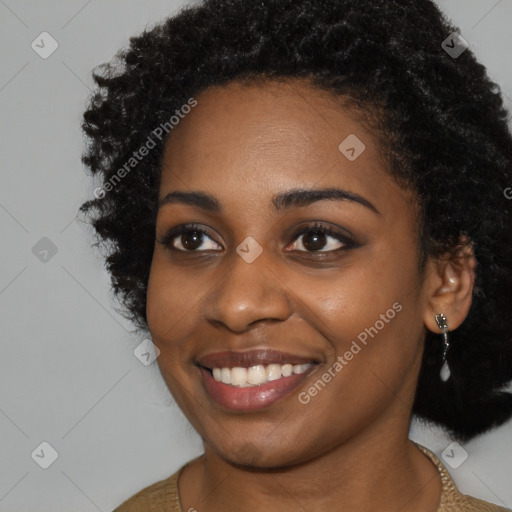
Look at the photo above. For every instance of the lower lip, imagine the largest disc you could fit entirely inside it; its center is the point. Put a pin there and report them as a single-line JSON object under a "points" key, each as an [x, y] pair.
{"points": [[251, 398]]}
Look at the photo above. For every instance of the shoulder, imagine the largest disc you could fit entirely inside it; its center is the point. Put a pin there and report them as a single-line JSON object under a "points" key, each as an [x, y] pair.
{"points": [[152, 497], [452, 500], [162, 495], [466, 503]]}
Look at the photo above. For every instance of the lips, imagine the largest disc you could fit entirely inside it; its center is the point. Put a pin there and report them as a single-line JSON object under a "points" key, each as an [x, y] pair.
{"points": [[261, 393], [250, 358]]}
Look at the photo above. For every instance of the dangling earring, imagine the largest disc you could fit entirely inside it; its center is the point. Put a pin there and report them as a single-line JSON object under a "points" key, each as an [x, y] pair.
{"points": [[443, 325]]}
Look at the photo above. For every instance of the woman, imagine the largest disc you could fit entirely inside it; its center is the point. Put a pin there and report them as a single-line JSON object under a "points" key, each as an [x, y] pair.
{"points": [[305, 204]]}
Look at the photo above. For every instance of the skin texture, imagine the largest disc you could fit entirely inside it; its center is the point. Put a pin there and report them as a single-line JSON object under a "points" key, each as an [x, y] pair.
{"points": [[349, 444]]}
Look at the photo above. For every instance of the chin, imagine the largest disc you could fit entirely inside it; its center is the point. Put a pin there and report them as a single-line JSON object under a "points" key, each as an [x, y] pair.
{"points": [[256, 456]]}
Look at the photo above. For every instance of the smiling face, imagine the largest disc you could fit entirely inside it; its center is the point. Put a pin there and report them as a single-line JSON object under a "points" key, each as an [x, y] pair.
{"points": [[270, 276]]}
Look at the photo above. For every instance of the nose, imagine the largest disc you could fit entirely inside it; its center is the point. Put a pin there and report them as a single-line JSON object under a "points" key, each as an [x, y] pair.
{"points": [[247, 294]]}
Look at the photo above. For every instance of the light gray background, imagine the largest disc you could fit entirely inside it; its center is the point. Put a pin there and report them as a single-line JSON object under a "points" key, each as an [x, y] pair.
{"points": [[68, 373]]}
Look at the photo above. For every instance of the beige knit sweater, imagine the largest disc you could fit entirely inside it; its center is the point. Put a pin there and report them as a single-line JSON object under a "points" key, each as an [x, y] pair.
{"points": [[163, 496]]}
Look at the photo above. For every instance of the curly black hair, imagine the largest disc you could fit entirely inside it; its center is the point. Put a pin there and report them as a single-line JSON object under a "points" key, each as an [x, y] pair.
{"points": [[439, 119]]}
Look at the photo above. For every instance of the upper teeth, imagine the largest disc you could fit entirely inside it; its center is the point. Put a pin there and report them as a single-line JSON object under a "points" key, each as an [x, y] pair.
{"points": [[256, 375]]}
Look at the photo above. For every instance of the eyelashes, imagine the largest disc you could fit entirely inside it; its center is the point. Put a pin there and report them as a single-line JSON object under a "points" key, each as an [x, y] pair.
{"points": [[168, 238], [193, 236], [322, 231]]}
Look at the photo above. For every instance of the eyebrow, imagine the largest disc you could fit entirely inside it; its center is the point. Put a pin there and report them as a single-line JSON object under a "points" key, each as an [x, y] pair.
{"points": [[284, 201]]}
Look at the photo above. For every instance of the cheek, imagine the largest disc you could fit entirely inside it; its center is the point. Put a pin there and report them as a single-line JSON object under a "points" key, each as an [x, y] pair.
{"points": [[352, 299], [371, 317], [170, 301], [171, 316], [373, 362]]}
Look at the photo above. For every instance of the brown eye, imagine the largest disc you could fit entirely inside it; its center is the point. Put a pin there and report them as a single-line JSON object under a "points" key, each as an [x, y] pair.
{"points": [[189, 238], [314, 240], [320, 238]]}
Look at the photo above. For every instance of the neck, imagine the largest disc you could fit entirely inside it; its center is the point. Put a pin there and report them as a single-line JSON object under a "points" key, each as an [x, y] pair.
{"points": [[378, 469]]}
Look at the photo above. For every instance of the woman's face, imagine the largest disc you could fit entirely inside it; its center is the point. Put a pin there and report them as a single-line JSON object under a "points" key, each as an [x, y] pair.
{"points": [[324, 328]]}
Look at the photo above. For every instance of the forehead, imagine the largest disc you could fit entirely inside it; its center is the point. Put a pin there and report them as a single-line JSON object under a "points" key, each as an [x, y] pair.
{"points": [[266, 137]]}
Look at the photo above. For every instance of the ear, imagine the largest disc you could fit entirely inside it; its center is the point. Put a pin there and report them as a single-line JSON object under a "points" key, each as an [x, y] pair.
{"points": [[448, 287]]}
